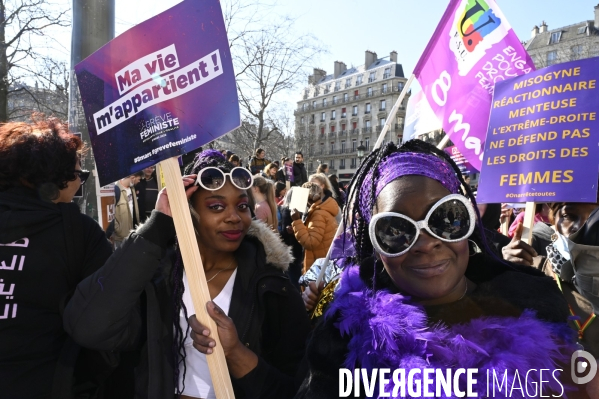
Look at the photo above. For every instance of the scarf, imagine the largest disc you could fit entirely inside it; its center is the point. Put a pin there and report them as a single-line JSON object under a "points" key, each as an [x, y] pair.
{"points": [[387, 330]]}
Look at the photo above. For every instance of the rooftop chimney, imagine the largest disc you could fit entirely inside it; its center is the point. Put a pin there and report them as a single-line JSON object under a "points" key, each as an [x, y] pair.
{"points": [[393, 56], [535, 31], [340, 67], [370, 58], [543, 27], [597, 16], [317, 76]]}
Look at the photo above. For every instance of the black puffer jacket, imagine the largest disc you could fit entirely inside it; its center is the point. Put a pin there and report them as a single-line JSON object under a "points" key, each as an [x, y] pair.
{"points": [[127, 305]]}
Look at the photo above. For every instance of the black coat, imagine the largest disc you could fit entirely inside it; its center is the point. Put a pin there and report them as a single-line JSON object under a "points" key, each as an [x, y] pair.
{"points": [[501, 291], [300, 175], [127, 306]]}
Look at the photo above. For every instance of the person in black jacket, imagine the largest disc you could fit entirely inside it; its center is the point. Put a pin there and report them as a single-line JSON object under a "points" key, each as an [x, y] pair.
{"points": [[300, 175], [46, 248], [139, 300]]}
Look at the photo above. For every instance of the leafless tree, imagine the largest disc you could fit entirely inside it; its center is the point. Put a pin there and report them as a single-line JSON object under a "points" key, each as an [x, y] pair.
{"points": [[22, 21]]}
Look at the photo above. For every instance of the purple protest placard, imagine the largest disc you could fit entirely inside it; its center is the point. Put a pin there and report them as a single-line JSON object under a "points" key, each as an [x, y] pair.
{"points": [[543, 137], [473, 48], [163, 88], [460, 160]]}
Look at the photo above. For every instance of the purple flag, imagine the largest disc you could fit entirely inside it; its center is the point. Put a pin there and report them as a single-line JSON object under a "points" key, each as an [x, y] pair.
{"points": [[473, 48]]}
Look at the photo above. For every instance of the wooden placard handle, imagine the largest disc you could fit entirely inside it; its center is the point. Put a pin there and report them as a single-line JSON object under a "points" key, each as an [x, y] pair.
{"points": [[194, 269]]}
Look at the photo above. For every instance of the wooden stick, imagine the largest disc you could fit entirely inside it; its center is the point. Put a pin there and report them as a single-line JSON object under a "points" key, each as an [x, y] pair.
{"points": [[505, 226], [194, 269], [529, 222]]}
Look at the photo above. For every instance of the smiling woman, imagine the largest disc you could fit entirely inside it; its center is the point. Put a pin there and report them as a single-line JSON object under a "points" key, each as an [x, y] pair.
{"points": [[262, 324], [420, 293]]}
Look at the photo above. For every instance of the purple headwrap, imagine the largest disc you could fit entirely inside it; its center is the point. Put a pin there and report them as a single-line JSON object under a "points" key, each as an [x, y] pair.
{"points": [[401, 164], [206, 158]]}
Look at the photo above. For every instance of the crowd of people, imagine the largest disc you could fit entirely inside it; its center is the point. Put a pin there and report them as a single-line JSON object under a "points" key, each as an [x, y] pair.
{"points": [[421, 279]]}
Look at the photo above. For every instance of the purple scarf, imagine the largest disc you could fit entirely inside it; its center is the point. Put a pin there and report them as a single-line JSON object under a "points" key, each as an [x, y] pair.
{"points": [[388, 331]]}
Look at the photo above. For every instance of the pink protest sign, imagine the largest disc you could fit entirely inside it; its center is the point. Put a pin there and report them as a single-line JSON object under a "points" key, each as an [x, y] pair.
{"points": [[473, 48]]}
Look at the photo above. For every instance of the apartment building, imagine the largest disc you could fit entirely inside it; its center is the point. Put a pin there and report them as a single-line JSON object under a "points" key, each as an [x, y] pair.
{"points": [[339, 112], [568, 43]]}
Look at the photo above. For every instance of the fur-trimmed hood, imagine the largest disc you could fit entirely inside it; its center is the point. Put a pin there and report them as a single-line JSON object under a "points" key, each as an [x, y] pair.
{"points": [[277, 253]]}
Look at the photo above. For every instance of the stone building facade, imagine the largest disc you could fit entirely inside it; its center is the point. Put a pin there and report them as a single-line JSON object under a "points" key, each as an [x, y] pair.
{"points": [[568, 43], [339, 112]]}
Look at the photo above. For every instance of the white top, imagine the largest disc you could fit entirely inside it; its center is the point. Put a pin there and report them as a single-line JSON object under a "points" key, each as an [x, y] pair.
{"points": [[197, 376], [130, 199]]}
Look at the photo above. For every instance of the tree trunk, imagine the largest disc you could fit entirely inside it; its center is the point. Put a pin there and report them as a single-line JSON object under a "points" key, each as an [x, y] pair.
{"points": [[3, 66]]}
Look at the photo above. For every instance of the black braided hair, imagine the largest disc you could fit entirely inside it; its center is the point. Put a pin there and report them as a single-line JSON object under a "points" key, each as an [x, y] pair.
{"points": [[202, 160], [356, 222]]}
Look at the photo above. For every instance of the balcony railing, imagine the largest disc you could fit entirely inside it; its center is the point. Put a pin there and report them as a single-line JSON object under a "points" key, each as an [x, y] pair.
{"points": [[352, 166], [342, 132], [367, 111], [379, 129], [332, 118], [327, 91], [347, 85], [367, 130], [343, 115], [341, 166], [312, 122], [337, 88], [356, 96], [398, 127], [370, 93], [382, 109], [335, 101], [354, 131], [344, 99], [370, 80], [354, 114], [322, 119], [386, 76]]}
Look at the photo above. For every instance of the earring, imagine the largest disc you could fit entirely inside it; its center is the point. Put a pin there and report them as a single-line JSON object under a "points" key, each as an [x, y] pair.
{"points": [[474, 248]]}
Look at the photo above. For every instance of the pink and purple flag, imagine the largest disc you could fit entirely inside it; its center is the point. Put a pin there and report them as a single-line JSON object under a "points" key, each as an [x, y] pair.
{"points": [[472, 48]]}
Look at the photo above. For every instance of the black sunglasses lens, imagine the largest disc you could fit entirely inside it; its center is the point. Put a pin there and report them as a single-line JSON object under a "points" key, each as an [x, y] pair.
{"points": [[242, 178], [84, 175], [451, 220], [212, 179], [394, 234]]}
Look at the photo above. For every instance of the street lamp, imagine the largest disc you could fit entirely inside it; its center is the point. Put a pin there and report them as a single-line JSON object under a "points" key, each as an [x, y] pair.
{"points": [[361, 150]]}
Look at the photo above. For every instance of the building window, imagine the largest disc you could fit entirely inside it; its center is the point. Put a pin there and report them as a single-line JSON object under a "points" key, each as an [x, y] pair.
{"points": [[354, 145], [355, 125], [582, 30], [577, 52], [355, 111], [356, 95], [332, 163], [327, 89], [312, 119], [343, 127], [334, 99], [368, 109], [369, 92], [333, 114], [551, 57], [353, 163], [337, 85], [367, 143], [382, 122], [371, 77], [332, 147], [383, 105], [400, 86], [324, 102], [387, 73], [384, 88], [302, 120], [367, 123], [333, 129], [322, 130], [343, 113], [313, 104], [343, 146], [358, 80], [555, 36], [342, 164], [322, 117], [304, 106], [345, 97], [347, 83]]}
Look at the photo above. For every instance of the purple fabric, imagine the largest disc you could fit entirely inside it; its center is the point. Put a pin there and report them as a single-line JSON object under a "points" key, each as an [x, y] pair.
{"points": [[401, 164], [388, 331], [205, 159]]}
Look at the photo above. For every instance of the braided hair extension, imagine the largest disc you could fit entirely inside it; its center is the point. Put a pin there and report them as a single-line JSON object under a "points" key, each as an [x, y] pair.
{"points": [[356, 221], [178, 346], [202, 160]]}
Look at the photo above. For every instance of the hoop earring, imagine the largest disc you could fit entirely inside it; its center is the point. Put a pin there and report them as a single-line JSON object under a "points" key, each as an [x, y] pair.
{"points": [[474, 248]]}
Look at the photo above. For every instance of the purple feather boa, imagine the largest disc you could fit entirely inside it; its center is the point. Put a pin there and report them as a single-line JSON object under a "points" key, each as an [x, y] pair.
{"points": [[389, 331]]}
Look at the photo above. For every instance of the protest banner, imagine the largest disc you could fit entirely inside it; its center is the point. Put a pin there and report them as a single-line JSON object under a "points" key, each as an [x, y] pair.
{"points": [[164, 88], [460, 160], [473, 48], [543, 135], [159, 90]]}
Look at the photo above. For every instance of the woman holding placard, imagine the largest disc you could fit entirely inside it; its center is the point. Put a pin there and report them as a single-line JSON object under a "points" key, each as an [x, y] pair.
{"points": [[139, 301], [420, 294]]}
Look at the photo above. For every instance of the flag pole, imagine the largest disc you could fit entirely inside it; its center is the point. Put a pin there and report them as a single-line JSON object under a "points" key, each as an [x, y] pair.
{"points": [[351, 194]]}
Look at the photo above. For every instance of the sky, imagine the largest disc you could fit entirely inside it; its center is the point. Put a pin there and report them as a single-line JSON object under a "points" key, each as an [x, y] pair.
{"points": [[346, 28]]}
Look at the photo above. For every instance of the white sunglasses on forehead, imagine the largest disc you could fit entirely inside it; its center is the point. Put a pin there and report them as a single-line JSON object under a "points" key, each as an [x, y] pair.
{"points": [[393, 234], [212, 178]]}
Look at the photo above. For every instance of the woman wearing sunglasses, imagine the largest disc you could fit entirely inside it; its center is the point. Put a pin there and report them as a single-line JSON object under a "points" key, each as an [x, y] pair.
{"points": [[46, 248], [420, 293], [140, 301]]}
